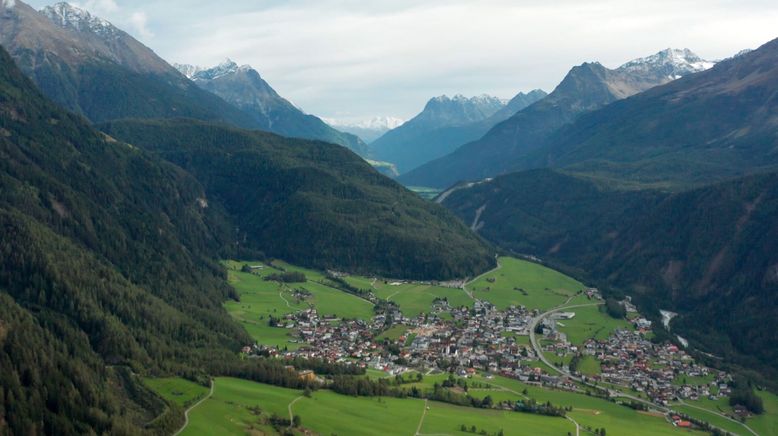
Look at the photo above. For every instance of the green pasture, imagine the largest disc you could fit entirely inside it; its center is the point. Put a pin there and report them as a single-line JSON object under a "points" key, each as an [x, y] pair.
{"points": [[544, 287]]}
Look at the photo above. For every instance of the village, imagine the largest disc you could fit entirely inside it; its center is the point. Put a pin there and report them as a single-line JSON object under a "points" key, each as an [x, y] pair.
{"points": [[465, 341]]}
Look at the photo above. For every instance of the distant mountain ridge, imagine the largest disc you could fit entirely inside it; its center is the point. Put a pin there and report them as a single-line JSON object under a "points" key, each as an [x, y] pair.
{"points": [[585, 88], [243, 87], [707, 127], [89, 66], [368, 130], [444, 124]]}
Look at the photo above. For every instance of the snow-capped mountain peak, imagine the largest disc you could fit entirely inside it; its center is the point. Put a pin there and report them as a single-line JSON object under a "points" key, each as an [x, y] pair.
{"points": [[194, 72], [72, 17], [374, 123], [188, 70], [673, 63]]}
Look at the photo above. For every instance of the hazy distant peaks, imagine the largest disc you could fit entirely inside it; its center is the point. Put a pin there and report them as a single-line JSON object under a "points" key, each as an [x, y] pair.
{"points": [[377, 123], [71, 17], [460, 99]]}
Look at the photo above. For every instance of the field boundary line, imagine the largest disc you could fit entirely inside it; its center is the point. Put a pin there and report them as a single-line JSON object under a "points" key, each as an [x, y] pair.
{"points": [[186, 412], [421, 420]]}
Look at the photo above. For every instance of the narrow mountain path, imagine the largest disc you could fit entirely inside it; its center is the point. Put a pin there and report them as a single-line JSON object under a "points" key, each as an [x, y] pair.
{"points": [[577, 427], [289, 408], [495, 269], [280, 294], [186, 412]]}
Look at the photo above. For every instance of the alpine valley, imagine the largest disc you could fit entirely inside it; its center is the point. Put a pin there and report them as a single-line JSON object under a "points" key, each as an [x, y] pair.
{"points": [[185, 251]]}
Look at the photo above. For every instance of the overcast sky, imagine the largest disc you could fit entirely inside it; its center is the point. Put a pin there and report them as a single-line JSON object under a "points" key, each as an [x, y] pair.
{"points": [[354, 59]]}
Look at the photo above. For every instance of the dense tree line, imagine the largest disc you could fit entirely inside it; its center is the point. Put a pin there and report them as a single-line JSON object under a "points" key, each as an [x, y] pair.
{"points": [[286, 277], [312, 203], [614, 308]]}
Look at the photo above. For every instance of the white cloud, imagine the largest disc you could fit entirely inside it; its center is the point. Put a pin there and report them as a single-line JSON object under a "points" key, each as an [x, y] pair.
{"points": [[139, 21], [353, 58]]}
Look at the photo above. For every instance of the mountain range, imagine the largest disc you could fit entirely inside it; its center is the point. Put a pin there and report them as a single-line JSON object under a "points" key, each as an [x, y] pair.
{"points": [[443, 125], [91, 67], [669, 196], [585, 88], [243, 87], [368, 130]]}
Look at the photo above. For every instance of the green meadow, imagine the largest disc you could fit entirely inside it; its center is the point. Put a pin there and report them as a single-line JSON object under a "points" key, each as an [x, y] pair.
{"points": [[587, 411], [239, 407], [766, 424], [260, 299], [590, 322], [543, 288], [413, 298], [443, 418], [177, 390]]}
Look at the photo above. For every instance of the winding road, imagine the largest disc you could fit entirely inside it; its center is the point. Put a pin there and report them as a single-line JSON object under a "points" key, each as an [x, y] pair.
{"points": [[683, 403], [186, 412], [495, 269], [539, 351]]}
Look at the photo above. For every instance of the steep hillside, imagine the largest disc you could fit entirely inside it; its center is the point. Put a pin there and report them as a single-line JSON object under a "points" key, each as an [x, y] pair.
{"points": [[105, 269], [507, 145], [443, 125], [95, 69], [710, 126], [313, 203], [243, 87], [710, 254]]}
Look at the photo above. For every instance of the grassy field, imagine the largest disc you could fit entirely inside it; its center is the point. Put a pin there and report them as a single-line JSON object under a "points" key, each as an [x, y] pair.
{"points": [[413, 298], [178, 390], [444, 418], [590, 322], [544, 287], [714, 419], [260, 299], [766, 424], [587, 411], [237, 407], [241, 407], [393, 333], [589, 365], [227, 411], [689, 380]]}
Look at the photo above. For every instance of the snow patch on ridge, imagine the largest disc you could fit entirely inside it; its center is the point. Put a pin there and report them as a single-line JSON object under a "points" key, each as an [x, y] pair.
{"points": [[673, 63], [71, 17]]}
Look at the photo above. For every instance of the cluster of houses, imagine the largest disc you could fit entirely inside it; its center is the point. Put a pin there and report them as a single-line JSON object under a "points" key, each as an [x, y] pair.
{"points": [[465, 340], [628, 359]]}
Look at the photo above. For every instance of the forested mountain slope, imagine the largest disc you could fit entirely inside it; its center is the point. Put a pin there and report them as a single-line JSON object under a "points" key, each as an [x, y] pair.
{"points": [[313, 203], [710, 254], [89, 66], [105, 264]]}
